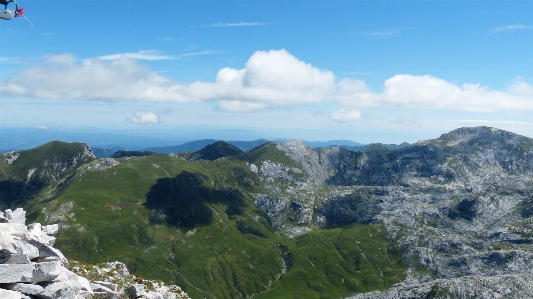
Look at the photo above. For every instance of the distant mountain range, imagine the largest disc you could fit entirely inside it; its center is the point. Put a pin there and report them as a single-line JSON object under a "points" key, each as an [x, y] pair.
{"points": [[243, 146]]}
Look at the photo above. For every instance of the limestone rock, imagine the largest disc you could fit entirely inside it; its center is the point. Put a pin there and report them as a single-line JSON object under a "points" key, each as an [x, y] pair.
{"points": [[26, 288], [31, 273], [136, 290], [6, 294], [30, 267]]}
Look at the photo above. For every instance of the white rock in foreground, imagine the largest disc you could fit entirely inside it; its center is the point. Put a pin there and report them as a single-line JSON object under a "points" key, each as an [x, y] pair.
{"points": [[30, 267]]}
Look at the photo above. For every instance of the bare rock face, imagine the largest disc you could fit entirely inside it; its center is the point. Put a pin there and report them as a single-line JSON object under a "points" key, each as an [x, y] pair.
{"points": [[30, 267], [478, 287]]}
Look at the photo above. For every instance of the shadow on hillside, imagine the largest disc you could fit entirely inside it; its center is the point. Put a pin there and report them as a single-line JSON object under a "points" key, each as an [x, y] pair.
{"points": [[14, 194], [186, 201]]}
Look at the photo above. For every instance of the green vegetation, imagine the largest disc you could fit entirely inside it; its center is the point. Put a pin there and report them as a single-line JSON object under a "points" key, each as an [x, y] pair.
{"points": [[338, 262], [35, 170], [269, 151], [217, 150], [193, 224]]}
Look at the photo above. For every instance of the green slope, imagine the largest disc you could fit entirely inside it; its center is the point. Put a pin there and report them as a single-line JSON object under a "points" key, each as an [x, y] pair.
{"points": [[193, 224], [336, 263], [44, 169]]}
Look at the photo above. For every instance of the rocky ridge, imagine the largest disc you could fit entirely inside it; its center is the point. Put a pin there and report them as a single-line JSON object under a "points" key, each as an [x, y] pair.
{"points": [[459, 206], [30, 267]]}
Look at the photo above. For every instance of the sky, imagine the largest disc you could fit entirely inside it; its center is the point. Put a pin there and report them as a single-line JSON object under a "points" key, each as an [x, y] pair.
{"points": [[366, 71]]}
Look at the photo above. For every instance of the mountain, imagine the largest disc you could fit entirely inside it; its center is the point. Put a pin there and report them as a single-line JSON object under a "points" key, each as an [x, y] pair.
{"points": [[362, 148], [44, 170], [125, 153], [199, 144], [286, 220], [104, 152], [186, 147], [219, 149], [319, 144]]}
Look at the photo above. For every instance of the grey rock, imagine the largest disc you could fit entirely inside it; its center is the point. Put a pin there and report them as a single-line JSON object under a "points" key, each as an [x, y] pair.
{"points": [[109, 285], [60, 290], [30, 273], [25, 288], [104, 292], [50, 230], [7, 294], [5, 255], [135, 290]]}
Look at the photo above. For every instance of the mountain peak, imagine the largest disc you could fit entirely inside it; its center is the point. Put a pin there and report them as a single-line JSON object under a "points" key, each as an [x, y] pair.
{"points": [[216, 150], [467, 134]]}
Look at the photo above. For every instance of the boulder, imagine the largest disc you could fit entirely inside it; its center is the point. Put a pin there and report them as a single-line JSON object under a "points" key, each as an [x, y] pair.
{"points": [[135, 290], [32, 273], [25, 288], [17, 216]]}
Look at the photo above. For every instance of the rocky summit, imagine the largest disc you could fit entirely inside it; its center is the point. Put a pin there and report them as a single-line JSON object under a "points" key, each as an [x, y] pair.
{"points": [[30, 267]]}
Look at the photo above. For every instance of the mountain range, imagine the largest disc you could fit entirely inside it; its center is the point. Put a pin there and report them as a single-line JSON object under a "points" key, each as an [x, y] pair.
{"points": [[449, 217]]}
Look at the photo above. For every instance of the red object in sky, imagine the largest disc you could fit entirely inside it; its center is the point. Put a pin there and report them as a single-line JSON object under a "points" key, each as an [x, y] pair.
{"points": [[20, 12]]}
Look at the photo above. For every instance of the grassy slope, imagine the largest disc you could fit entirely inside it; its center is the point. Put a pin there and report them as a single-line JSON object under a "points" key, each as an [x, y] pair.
{"points": [[51, 163], [216, 244], [338, 262]]}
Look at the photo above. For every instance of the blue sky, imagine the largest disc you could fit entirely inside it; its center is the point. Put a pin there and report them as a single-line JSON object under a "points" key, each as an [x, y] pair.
{"points": [[367, 71]]}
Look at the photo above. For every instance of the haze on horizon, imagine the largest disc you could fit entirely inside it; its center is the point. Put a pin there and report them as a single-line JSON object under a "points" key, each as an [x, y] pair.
{"points": [[366, 71]]}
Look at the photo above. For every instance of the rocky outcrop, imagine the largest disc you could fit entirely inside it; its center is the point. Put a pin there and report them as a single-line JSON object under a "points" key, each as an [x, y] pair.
{"points": [[30, 267], [474, 287]]}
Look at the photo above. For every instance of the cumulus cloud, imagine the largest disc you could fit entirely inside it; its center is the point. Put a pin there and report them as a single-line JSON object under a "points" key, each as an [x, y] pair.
{"points": [[268, 79], [144, 118], [431, 93]]}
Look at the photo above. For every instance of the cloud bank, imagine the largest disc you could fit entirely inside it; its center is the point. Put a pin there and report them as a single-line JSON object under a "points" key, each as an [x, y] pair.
{"points": [[268, 79]]}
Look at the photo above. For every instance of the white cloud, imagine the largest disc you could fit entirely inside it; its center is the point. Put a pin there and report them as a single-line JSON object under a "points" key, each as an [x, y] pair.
{"points": [[144, 118], [431, 93], [269, 79], [151, 55], [512, 28], [40, 127], [141, 55]]}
